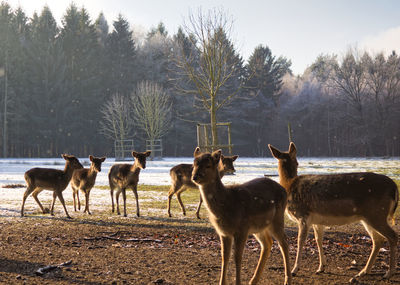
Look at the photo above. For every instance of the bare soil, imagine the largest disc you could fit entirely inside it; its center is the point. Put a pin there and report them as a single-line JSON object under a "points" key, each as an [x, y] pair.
{"points": [[154, 250]]}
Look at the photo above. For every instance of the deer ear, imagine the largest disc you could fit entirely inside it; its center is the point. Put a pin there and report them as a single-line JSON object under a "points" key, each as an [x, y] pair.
{"points": [[196, 152], [147, 153], [235, 157], [134, 153], [91, 157], [275, 152], [103, 158], [216, 155], [292, 150]]}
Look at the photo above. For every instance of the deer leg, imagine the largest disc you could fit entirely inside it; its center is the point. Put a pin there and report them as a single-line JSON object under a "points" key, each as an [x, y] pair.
{"points": [[198, 207], [112, 197], [73, 196], [379, 231], [35, 196], [278, 232], [61, 198], [134, 189], [265, 241], [52, 203], [119, 190], [239, 242], [178, 196], [124, 198], [28, 191], [301, 238], [171, 193], [319, 233], [79, 202], [226, 246], [87, 202]]}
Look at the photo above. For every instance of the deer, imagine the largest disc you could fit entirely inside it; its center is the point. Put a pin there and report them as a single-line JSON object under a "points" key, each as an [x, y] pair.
{"points": [[84, 180], [181, 180], [123, 176], [39, 179], [256, 207], [339, 199]]}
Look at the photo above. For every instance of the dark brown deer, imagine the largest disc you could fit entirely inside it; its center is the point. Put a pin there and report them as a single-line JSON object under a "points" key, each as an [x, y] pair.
{"points": [[123, 176], [256, 207], [339, 199], [39, 179], [84, 179], [181, 177]]}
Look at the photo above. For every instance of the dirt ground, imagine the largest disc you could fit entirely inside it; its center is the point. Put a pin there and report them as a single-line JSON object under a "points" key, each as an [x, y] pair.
{"points": [[152, 250]]}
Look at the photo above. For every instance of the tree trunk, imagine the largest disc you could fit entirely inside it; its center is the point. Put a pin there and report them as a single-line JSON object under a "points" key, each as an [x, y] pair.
{"points": [[5, 134], [214, 132]]}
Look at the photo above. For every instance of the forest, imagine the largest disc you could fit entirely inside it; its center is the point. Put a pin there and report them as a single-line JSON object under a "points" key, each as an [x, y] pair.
{"points": [[76, 87]]}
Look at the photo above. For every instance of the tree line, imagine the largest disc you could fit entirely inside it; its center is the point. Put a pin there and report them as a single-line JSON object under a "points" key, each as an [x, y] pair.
{"points": [[59, 83]]}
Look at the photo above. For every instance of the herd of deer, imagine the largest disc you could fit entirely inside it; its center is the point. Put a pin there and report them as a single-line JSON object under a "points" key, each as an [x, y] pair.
{"points": [[256, 207]]}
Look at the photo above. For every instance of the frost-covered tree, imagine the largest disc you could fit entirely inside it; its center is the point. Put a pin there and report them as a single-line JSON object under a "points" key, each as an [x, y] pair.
{"points": [[152, 107]]}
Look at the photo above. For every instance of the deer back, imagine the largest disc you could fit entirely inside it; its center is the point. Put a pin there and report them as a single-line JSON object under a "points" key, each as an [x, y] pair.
{"points": [[124, 175], [183, 174], [342, 195], [336, 198], [85, 178], [251, 205], [53, 179], [47, 178]]}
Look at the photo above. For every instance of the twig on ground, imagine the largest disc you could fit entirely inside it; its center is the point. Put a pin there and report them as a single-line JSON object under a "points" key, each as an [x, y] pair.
{"points": [[43, 270]]}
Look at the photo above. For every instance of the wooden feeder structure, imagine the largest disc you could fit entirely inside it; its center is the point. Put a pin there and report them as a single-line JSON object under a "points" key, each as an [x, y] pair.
{"points": [[204, 139], [123, 149]]}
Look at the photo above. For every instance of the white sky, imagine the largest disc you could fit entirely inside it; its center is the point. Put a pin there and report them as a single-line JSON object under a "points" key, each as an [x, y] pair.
{"points": [[300, 30]]}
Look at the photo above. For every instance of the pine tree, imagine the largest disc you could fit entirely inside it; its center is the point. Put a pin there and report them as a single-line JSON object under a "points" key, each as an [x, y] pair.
{"points": [[122, 55], [81, 48]]}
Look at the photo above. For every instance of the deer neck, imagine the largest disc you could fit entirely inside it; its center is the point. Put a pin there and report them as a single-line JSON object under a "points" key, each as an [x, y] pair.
{"points": [[68, 171], [92, 173], [221, 169], [285, 177], [135, 168], [214, 194]]}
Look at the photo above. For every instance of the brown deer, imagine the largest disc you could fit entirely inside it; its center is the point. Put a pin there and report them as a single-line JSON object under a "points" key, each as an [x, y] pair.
{"points": [[338, 199], [39, 179], [123, 176], [84, 179], [181, 175], [256, 207]]}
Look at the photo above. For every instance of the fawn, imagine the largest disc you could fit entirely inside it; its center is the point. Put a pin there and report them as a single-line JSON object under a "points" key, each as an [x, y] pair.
{"points": [[181, 179], [39, 179], [84, 179], [338, 199], [124, 176], [256, 207]]}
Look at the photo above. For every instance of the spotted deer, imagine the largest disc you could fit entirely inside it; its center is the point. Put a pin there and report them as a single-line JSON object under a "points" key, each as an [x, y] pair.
{"points": [[125, 176], [256, 207], [39, 179], [84, 179], [181, 175], [339, 199]]}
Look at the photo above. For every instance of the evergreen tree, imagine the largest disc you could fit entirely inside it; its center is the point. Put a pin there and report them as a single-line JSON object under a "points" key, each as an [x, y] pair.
{"points": [[45, 102], [81, 49], [122, 55]]}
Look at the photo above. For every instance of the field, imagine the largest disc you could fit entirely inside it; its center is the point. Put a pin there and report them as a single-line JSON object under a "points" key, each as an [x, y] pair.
{"points": [[154, 249]]}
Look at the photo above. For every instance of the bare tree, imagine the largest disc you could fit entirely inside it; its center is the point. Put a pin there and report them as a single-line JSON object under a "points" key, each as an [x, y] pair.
{"points": [[212, 65], [152, 108], [117, 123], [348, 79]]}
